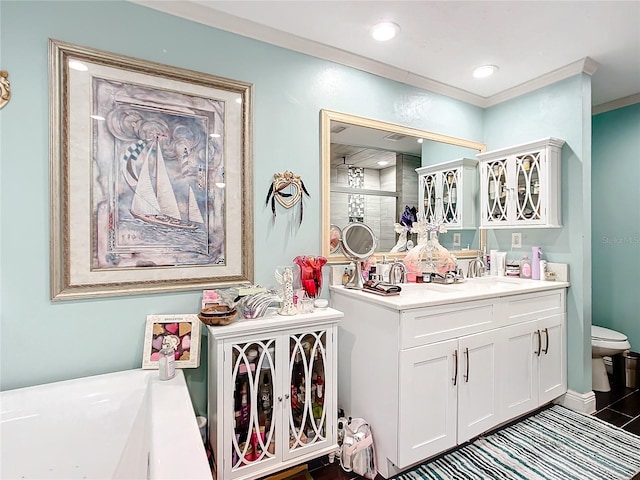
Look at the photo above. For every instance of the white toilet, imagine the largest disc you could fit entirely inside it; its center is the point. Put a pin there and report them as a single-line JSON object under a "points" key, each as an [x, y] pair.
{"points": [[604, 343]]}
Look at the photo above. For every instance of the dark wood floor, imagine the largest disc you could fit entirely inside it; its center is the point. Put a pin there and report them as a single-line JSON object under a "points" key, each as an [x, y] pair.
{"points": [[620, 407]]}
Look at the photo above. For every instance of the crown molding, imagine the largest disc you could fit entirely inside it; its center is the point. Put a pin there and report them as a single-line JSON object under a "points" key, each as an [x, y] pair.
{"points": [[614, 104], [585, 65], [199, 13], [196, 12]]}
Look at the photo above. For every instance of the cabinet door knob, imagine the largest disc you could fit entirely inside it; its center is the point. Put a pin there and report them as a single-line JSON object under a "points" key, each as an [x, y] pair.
{"points": [[279, 399], [455, 371], [537, 333], [286, 396], [546, 343]]}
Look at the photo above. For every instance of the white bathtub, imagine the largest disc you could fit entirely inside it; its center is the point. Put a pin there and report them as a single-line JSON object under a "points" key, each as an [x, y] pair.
{"points": [[125, 425]]}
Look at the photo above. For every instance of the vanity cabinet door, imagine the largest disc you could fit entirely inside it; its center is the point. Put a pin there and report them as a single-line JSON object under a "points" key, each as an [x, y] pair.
{"points": [[427, 401], [519, 369], [553, 358], [478, 385], [534, 370]]}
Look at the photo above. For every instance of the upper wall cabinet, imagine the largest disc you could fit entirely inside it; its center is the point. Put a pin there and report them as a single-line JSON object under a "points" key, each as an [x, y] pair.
{"points": [[520, 186], [449, 193]]}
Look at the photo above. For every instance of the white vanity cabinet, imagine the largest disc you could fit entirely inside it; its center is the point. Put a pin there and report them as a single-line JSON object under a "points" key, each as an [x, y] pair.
{"points": [[520, 186], [451, 395], [428, 378], [272, 393], [448, 192], [536, 348]]}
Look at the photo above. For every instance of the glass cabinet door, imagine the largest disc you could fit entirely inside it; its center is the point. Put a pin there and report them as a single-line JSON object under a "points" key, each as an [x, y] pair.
{"points": [[450, 180], [307, 412], [496, 175], [528, 206], [429, 196], [253, 365]]}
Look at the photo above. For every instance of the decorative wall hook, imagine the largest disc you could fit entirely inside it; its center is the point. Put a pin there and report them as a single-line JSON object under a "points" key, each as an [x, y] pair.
{"points": [[287, 188], [5, 88]]}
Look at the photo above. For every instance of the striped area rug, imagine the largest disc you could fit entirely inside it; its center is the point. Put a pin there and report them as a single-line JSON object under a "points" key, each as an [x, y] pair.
{"points": [[555, 444]]}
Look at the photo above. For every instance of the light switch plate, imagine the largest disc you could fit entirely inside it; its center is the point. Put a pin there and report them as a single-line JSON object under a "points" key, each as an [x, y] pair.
{"points": [[456, 239], [516, 240]]}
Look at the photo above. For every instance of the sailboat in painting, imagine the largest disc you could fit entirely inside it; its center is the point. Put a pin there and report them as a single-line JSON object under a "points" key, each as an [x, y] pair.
{"points": [[159, 206]]}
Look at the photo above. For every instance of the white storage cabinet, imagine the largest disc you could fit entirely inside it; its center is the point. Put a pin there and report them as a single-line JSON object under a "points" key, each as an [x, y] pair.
{"points": [[272, 393], [448, 193], [520, 186]]}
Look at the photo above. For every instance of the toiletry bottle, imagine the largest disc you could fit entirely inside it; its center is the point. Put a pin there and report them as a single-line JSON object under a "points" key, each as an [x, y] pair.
{"points": [[345, 276], [383, 270], [535, 263], [166, 363], [320, 390], [525, 267]]}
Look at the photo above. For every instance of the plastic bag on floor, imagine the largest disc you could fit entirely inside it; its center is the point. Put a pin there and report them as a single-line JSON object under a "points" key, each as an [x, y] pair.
{"points": [[357, 451]]}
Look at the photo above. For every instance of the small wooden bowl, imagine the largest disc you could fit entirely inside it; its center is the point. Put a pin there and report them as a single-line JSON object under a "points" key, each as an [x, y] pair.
{"points": [[217, 315]]}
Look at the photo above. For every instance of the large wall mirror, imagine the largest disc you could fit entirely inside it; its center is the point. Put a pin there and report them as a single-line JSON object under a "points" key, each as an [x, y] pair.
{"points": [[368, 175]]}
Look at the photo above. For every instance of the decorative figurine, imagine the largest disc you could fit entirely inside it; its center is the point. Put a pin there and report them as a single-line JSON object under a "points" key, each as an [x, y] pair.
{"points": [[284, 276]]}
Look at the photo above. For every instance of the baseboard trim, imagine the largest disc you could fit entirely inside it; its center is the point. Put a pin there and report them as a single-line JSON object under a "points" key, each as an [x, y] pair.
{"points": [[579, 402]]}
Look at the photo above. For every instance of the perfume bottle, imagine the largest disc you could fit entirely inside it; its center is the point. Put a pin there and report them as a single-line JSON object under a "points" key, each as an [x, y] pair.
{"points": [[166, 362]]}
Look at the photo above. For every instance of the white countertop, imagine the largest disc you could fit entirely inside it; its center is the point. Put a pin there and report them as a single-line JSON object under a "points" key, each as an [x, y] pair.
{"points": [[415, 295], [274, 321]]}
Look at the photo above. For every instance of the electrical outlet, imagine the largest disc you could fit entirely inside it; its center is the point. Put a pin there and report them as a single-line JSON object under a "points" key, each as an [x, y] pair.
{"points": [[516, 240], [456, 239]]}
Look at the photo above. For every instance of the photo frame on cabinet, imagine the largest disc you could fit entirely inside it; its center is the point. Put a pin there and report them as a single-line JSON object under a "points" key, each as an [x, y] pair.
{"points": [[182, 332], [151, 174]]}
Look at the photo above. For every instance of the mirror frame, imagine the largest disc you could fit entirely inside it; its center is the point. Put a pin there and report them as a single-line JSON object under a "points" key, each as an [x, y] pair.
{"points": [[326, 116]]}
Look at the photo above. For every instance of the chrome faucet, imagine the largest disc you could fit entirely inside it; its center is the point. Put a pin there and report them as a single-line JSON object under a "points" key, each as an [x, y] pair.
{"points": [[477, 268], [397, 273]]}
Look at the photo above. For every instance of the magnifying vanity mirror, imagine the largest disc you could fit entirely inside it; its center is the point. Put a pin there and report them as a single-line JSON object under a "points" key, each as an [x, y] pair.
{"points": [[358, 243], [369, 176]]}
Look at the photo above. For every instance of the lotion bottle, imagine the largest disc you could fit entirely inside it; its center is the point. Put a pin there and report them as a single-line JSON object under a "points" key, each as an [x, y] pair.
{"points": [[166, 363]]}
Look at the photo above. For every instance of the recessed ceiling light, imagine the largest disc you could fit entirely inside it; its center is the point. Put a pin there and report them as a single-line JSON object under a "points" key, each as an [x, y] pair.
{"points": [[382, 163], [484, 71], [384, 31], [420, 140]]}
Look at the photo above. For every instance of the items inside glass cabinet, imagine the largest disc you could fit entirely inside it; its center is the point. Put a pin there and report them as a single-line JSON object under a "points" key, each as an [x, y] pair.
{"points": [[258, 405]]}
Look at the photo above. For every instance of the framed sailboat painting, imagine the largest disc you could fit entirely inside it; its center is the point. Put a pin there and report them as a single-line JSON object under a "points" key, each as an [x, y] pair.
{"points": [[151, 174]]}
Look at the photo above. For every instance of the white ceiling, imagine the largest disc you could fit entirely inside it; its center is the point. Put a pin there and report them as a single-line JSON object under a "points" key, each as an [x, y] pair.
{"points": [[533, 42]]}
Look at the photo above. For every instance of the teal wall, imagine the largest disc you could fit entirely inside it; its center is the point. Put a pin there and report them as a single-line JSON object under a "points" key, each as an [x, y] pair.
{"points": [[562, 110], [42, 341], [615, 195]]}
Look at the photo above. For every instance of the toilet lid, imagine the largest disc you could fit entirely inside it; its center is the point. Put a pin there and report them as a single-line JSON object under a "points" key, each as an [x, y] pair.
{"points": [[601, 333]]}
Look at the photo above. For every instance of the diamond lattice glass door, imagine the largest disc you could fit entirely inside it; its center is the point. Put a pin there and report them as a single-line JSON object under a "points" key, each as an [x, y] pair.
{"points": [[429, 198]]}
